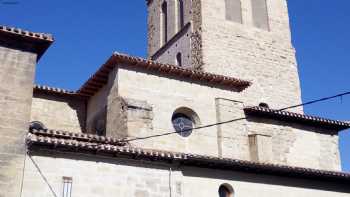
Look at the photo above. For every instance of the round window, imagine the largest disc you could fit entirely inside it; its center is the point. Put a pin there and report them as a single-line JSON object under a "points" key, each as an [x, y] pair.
{"points": [[183, 124]]}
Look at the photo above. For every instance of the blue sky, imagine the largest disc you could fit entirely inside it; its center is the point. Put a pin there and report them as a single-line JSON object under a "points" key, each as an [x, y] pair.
{"points": [[87, 32]]}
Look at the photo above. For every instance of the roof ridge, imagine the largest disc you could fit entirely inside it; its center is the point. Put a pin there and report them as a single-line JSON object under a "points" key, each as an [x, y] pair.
{"points": [[98, 80]]}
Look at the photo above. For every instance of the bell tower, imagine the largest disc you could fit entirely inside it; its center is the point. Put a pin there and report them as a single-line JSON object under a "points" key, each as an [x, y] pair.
{"points": [[248, 39]]}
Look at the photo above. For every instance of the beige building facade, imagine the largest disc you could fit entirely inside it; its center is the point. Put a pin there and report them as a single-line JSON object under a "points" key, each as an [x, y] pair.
{"points": [[201, 116]]}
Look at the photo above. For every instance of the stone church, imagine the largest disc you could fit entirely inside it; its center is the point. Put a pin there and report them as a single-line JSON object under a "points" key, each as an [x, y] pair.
{"points": [[204, 115]]}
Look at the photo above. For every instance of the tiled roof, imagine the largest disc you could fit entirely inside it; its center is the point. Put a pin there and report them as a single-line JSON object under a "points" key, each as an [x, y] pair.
{"points": [[73, 142], [64, 137], [24, 33], [100, 78], [47, 89], [39, 41], [297, 118]]}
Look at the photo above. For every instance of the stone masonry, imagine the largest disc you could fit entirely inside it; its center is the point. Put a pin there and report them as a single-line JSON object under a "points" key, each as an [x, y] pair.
{"points": [[131, 97], [235, 49], [16, 75]]}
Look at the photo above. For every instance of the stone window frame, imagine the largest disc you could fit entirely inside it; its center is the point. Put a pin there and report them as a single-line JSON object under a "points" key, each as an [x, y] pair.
{"points": [[190, 113]]}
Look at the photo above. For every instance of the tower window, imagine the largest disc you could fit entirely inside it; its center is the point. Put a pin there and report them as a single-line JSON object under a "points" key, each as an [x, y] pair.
{"points": [[225, 190], [179, 59], [233, 10], [260, 14], [164, 22], [180, 14]]}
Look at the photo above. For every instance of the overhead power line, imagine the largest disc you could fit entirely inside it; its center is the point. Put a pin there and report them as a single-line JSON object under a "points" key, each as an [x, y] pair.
{"points": [[237, 119]]}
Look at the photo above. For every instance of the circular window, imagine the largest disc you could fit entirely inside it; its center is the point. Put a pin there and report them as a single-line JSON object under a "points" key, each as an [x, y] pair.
{"points": [[183, 124]]}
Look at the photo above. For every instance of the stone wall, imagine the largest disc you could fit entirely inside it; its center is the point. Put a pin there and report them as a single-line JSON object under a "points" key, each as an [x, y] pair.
{"points": [[255, 185], [17, 67], [94, 176], [154, 22], [267, 58], [186, 40], [57, 112], [95, 107], [290, 142], [97, 177]]}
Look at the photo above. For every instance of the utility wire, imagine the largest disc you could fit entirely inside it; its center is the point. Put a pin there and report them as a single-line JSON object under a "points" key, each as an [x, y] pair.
{"points": [[237, 119]]}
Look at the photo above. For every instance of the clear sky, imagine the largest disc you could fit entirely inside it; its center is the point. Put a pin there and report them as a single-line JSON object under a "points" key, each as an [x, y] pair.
{"points": [[87, 32]]}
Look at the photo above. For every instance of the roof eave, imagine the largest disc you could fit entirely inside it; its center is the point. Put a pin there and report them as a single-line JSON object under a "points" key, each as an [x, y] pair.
{"points": [[35, 42]]}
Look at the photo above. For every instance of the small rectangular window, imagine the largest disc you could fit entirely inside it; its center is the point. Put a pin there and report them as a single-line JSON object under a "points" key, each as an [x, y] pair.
{"points": [[260, 14], [67, 186]]}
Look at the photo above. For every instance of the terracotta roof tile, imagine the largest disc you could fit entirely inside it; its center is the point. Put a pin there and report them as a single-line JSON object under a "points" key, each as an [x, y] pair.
{"points": [[44, 88], [297, 118], [74, 142], [24, 33], [40, 41], [99, 79]]}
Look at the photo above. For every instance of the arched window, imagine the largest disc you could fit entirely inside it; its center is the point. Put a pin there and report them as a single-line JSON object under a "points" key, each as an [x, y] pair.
{"points": [[37, 125], [164, 22], [264, 105], [225, 190], [180, 14], [260, 14], [179, 59], [233, 10]]}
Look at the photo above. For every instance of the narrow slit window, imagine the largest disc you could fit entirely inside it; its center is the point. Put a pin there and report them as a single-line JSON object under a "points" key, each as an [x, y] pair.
{"points": [[179, 59], [260, 14], [180, 14], [164, 18], [67, 187], [233, 10]]}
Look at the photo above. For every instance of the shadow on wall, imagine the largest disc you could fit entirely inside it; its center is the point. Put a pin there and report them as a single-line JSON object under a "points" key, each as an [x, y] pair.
{"points": [[307, 128], [76, 104]]}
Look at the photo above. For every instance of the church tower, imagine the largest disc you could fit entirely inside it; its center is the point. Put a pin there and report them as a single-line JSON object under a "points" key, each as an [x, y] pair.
{"points": [[249, 39]]}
